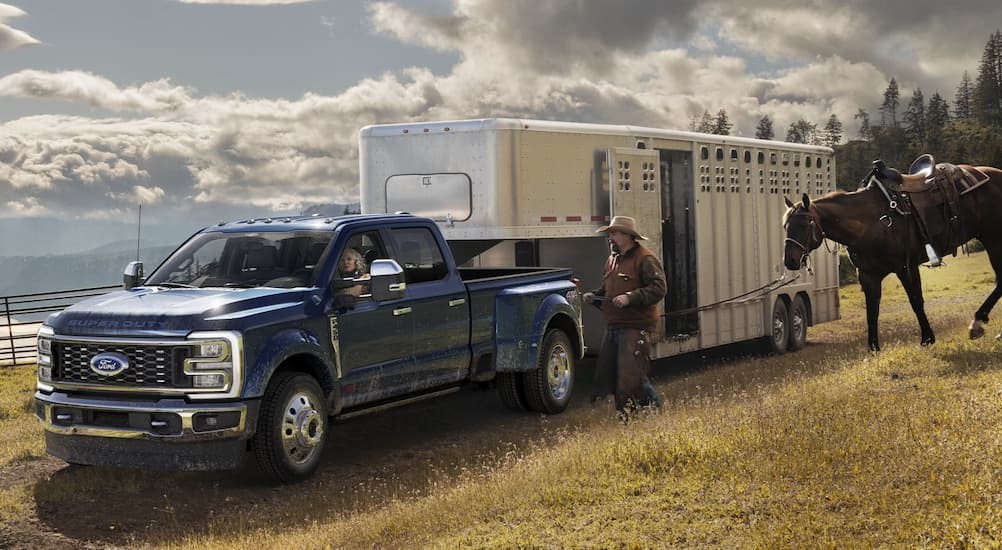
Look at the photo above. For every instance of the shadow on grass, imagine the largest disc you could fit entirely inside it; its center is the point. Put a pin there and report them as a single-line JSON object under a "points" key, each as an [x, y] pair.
{"points": [[962, 362]]}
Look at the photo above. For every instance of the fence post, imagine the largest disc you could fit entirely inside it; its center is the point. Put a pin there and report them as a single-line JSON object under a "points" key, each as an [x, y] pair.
{"points": [[10, 331]]}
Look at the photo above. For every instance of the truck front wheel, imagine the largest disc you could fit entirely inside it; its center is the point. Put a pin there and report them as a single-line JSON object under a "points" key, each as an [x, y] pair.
{"points": [[292, 427], [548, 387]]}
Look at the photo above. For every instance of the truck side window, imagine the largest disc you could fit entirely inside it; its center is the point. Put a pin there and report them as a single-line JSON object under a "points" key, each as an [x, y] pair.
{"points": [[418, 253], [355, 259]]}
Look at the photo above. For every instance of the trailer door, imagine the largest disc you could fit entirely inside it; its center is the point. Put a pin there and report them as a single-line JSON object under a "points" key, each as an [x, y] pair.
{"points": [[635, 191]]}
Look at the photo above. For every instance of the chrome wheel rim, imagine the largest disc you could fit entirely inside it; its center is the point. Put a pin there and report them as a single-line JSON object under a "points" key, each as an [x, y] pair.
{"points": [[798, 323], [558, 372], [302, 428], [778, 329]]}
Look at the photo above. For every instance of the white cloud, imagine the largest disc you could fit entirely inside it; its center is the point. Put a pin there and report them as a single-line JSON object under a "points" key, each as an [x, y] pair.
{"points": [[176, 148], [246, 2], [11, 38]]}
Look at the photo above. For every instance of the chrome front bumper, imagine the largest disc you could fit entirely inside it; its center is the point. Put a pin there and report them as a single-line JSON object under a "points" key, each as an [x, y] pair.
{"points": [[168, 420]]}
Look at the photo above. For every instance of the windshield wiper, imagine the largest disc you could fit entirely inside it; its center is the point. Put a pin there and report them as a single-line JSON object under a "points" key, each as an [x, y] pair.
{"points": [[239, 285], [175, 285]]}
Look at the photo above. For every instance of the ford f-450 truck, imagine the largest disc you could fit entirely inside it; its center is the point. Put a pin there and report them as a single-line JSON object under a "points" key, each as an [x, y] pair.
{"points": [[251, 338]]}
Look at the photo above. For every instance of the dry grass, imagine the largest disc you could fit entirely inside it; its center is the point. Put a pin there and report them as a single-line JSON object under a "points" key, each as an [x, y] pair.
{"points": [[831, 446]]}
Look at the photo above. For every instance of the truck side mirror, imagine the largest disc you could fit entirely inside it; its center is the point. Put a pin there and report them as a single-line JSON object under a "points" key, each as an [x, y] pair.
{"points": [[133, 275], [387, 280]]}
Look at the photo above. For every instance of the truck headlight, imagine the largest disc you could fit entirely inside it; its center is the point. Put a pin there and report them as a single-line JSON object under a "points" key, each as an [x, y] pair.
{"points": [[213, 364], [44, 343]]}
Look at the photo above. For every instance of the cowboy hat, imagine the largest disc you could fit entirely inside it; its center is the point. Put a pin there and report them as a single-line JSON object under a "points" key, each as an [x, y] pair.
{"points": [[625, 224]]}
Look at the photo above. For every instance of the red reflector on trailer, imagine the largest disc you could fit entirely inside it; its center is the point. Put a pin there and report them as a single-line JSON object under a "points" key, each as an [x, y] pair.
{"points": [[600, 218], [573, 218], [547, 218]]}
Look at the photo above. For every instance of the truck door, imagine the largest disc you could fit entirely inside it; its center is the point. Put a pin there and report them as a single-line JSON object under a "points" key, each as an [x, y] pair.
{"points": [[635, 191], [437, 299], [372, 339]]}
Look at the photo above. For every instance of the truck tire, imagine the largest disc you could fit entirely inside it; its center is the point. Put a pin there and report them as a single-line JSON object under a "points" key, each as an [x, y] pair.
{"points": [[778, 335], [548, 387], [798, 324], [291, 428], [510, 389]]}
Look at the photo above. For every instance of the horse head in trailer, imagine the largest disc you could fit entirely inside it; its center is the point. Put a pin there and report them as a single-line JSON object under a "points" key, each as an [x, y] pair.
{"points": [[893, 223]]}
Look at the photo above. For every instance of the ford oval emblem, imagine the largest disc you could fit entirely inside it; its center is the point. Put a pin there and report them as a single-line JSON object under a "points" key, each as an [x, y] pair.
{"points": [[109, 364]]}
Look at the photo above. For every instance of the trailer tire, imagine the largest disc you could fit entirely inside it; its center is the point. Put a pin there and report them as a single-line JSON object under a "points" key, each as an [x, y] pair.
{"points": [[291, 428], [548, 387], [778, 336], [798, 324], [509, 385]]}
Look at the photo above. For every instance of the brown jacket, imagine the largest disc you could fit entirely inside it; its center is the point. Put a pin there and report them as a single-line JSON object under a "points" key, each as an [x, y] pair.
{"points": [[639, 275]]}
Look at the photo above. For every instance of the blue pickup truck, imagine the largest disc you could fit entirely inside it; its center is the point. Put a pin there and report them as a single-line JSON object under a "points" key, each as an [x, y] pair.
{"points": [[251, 338]]}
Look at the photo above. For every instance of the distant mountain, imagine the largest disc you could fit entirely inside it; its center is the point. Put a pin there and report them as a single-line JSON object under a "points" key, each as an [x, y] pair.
{"points": [[28, 274], [333, 209]]}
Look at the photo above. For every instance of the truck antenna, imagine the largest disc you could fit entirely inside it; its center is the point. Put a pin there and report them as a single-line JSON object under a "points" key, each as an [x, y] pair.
{"points": [[139, 230]]}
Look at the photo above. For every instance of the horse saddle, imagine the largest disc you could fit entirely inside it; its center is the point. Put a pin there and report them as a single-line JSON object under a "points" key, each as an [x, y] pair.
{"points": [[933, 193]]}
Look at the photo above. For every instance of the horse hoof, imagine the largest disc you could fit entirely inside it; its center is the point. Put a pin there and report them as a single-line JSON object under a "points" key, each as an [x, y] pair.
{"points": [[975, 332], [928, 342]]}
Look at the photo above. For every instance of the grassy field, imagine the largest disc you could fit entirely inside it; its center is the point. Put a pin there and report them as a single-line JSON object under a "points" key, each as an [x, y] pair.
{"points": [[831, 446]]}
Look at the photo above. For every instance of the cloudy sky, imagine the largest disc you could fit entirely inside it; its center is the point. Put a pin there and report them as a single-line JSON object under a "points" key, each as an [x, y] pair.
{"points": [[211, 109]]}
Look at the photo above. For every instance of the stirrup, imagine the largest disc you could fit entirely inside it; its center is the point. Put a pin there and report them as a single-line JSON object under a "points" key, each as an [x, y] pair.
{"points": [[934, 259]]}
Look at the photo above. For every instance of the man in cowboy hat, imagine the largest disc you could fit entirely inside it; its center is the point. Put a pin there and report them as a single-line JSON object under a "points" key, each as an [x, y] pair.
{"points": [[634, 283]]}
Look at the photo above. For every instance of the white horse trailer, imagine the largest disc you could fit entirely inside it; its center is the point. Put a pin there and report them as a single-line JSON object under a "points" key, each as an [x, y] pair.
{"points": [[533, 193]]}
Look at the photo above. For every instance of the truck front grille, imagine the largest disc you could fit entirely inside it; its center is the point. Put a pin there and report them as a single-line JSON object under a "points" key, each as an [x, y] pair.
{"points": [[149, 365]]}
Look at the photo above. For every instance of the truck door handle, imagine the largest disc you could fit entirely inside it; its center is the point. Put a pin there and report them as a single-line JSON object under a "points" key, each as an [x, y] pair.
{"points": [[397, 287], [457, 302], [401, 311]]}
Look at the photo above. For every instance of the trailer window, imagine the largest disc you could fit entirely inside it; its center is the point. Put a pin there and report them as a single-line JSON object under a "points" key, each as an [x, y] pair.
{"points": [[761, 158], [440, 197], [704, 153], [720, 153]]}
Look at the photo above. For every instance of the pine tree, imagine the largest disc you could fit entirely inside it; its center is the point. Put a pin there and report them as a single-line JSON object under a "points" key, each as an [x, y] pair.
{"points": [[801, 131], [988, 89], [865, 132], [962, 103], [936, 119], [764, 128], [722, 125], [833, 131], [915, 125], [706, 123], [889, 110]]}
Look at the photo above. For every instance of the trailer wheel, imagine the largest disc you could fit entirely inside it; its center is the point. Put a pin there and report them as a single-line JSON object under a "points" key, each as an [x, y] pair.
{"points": [[798, 324], [291, 428], [548, 387], [778, 336]]}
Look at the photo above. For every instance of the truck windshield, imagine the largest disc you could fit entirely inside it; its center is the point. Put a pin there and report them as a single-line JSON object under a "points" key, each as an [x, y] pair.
{"points": [[244, 260]]}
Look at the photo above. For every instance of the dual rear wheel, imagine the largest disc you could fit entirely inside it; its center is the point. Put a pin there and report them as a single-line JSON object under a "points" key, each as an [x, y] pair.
{"points": [[788, 326], [547, 388]]}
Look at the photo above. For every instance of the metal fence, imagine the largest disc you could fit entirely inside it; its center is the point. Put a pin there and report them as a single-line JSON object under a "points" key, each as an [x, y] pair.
{"points": [[22, 314]]}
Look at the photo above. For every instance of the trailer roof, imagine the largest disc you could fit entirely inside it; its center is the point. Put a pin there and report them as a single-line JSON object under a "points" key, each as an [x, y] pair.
{"points": [[486, 124]]}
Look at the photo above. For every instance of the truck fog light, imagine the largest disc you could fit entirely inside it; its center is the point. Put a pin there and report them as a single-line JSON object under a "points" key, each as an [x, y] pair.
{"points": [[211, 366], [208, 381], [44, 373], [44, 360]]}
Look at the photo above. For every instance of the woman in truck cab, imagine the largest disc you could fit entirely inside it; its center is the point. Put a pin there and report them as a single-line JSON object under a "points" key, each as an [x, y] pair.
{"points": [[352, 266]]}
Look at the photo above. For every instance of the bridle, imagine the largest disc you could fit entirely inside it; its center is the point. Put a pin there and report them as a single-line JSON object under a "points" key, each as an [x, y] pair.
{"points": [[817, 234]]}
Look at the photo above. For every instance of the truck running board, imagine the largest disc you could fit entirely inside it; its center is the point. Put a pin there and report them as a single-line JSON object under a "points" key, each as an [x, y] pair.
{"points": [[393, 404]]}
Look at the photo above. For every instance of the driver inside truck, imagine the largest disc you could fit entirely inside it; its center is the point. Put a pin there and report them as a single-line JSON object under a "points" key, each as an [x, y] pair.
{"points": [[351, 266]]}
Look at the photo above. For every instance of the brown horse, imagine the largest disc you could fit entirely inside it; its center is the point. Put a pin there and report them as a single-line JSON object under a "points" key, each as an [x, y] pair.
{"points": [[881, 241]]}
